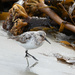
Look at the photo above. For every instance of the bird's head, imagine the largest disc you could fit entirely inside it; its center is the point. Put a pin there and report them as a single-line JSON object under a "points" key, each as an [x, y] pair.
{"points": [[43, 35]]}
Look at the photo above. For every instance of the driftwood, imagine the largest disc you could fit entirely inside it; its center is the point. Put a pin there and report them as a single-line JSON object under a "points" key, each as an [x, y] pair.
{"points": [[40, 4], [56, 18]]}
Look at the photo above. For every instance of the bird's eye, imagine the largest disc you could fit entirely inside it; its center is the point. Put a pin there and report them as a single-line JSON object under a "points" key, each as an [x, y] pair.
{"points": [[41, 35]]}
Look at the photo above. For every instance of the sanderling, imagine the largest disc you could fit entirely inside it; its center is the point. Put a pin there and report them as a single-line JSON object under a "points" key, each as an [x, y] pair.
{"points": [[31, 40]]}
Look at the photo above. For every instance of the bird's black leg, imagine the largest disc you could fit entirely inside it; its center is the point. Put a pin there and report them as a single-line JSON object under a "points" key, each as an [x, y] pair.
{"points": [[27, 55], [32, 56]]}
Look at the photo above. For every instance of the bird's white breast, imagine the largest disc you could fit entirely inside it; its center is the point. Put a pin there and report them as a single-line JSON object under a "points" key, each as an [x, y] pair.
{"points": [[31, 44]]}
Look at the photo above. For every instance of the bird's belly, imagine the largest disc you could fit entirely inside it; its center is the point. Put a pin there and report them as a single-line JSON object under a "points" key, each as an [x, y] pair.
{"points": [[29, 45]]}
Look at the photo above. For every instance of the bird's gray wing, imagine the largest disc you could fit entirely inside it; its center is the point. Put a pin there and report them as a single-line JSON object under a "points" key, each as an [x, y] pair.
{"points": [[23, 38]]}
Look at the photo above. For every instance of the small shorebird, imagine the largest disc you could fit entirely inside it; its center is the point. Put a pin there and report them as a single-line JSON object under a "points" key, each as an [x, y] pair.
{"points": [[31, 40]]}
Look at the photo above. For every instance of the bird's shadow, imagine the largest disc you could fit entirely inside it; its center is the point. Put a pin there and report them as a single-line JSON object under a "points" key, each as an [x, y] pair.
{"points": [[33, 65], [28, 70]]}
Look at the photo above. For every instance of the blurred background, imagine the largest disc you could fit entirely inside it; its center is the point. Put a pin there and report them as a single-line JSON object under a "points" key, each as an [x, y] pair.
{"points": [[5, 5]]}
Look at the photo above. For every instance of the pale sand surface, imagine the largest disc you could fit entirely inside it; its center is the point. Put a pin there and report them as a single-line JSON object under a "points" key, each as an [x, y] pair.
{"points": [[12, 61]]}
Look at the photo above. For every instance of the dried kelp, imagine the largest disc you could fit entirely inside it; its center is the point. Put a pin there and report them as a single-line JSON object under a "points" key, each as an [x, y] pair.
{"points": [[68, 44], [18, 21], [22, 11]]}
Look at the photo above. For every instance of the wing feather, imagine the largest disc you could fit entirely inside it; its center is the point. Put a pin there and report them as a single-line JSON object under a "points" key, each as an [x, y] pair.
{"points": [[23, 38]]}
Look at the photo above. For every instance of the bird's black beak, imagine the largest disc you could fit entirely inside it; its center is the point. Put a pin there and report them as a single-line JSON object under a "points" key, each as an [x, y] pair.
{"points": [[47, 41]]}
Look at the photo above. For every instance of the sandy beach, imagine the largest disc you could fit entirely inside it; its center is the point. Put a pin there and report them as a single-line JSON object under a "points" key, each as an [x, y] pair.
{"points": [[13, 62]]}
